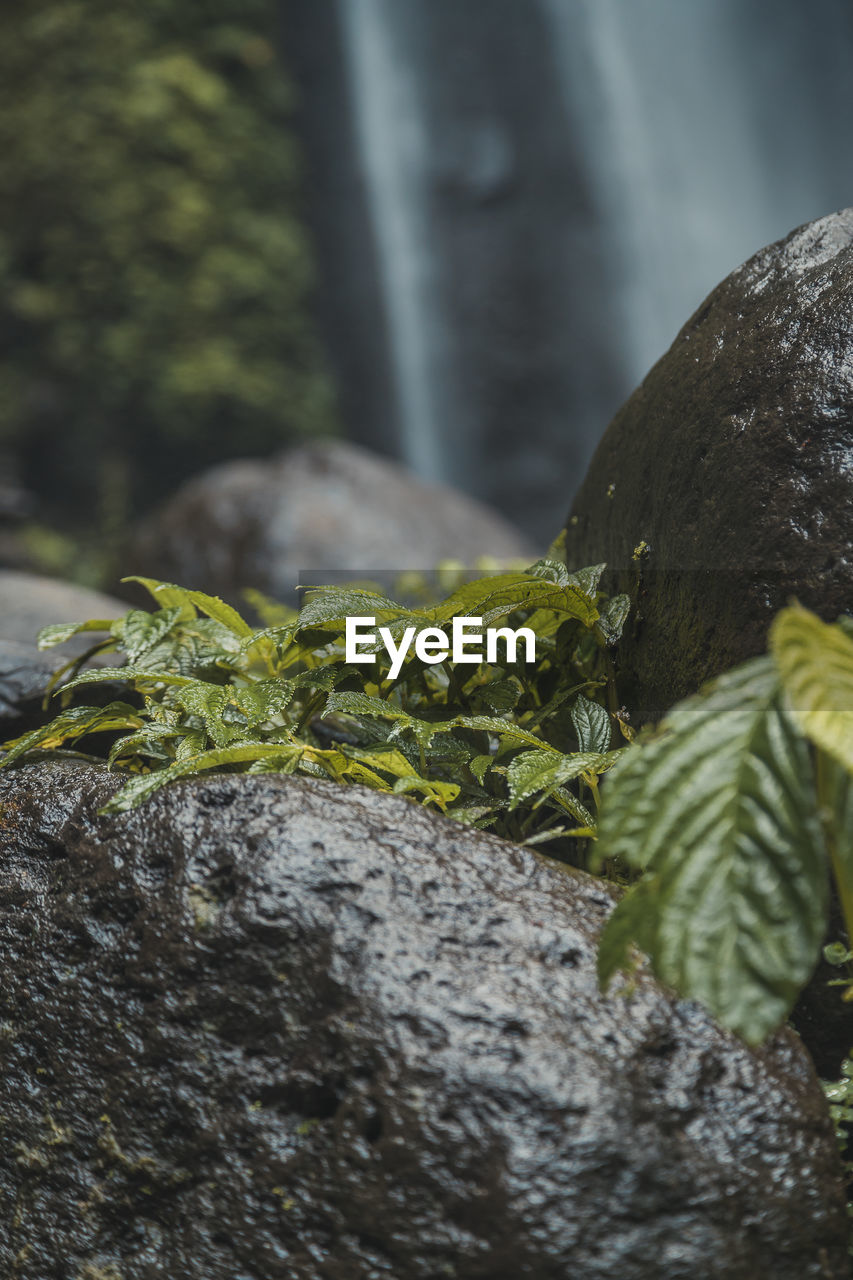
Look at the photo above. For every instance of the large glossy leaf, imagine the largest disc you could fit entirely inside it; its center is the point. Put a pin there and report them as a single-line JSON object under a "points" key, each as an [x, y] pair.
{"points": [[815, 661], [720, 808]]}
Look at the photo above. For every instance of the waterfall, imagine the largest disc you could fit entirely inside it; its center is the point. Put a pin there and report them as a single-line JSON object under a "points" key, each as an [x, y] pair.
{"points": [[392, 141], [680, 108], [548, 189]]}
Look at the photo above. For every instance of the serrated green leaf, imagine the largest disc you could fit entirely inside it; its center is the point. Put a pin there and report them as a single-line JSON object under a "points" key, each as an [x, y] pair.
{"points": [[69, 725], [192, 744], [221, 612], [362, 704], [815, 662], [332, 605], [208, 703], [614, 615], [588, 579], [286, 762], [139, 631], [142, 786], [498, 695], [504, 729], [480, 766], [720, 808], [60, 632], [496, 597], [279, 635], [126, 675], [533, 771], [167, 595], [579, 811], [144, 742], [390, 760], [592, 724], [263, 699], [195, 649], [551, 569], [440, 794]]}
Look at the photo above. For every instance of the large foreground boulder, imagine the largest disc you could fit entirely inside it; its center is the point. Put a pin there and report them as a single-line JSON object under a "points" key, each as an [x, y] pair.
{"points": [[725, 484], [28, 603], [328, 506], [266, 1027]]}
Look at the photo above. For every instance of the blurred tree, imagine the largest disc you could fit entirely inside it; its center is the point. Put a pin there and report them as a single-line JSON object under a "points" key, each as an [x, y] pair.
{"points": [[154, 277]]}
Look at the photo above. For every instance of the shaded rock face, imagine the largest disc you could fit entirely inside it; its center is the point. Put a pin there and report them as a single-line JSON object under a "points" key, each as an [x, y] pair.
{"points": [[323, 506], [28, 603], [733, 461], [266, 1027], [16, 506]]}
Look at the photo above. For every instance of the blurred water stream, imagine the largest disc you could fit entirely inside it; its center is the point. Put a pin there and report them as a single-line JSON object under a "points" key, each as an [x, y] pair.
{"points": [[518, 202]]}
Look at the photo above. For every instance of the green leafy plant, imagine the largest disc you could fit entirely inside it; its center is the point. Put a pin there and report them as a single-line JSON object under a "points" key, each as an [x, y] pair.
{"points": [[156, 278], [839, 1095], [516, 747], [737, 812]]}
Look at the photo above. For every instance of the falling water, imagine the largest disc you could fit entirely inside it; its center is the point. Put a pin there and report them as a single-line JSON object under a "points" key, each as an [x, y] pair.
{"points": [[394, 149], [635, 152]]}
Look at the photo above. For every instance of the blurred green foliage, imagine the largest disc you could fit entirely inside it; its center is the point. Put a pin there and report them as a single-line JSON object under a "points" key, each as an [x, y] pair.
{"points": [[154, 276]]}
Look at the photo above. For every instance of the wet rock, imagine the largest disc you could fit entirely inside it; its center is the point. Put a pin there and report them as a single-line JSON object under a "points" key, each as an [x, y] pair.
{"points": [[268, 1027], [28, 603], [320, 506], [24, 677], [733, 462]]}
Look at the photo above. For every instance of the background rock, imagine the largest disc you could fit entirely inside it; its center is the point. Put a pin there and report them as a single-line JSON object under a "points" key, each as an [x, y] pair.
{"points": [[266, 1026], [734, 463], [28, 603], [325, 506], [16, 506]]}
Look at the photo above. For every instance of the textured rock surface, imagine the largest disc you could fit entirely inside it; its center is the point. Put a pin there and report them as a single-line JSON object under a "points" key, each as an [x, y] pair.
{"points": [[734, 462], [265, 1027], [28, 603], [323, 506]]}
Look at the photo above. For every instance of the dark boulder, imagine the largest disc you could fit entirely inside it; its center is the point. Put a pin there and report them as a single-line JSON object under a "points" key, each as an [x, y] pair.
{"points": [[28, 603], [319, 506], [24, 676], [267, 1027], [733, 462]]}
